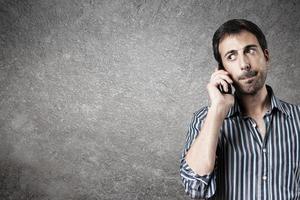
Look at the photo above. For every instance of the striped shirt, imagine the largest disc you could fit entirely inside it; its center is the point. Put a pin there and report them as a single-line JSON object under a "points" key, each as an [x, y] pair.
{"points": [[247, 166]]}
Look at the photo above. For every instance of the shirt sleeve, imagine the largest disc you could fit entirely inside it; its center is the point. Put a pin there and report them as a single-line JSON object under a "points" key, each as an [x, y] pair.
{"points": [[196, 186]]}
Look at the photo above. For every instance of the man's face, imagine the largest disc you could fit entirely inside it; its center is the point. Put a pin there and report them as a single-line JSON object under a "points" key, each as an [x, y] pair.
{"points": [[245, 61]]}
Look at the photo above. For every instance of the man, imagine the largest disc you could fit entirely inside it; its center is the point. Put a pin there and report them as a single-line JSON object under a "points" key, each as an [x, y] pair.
{"points": [[244, 146]]}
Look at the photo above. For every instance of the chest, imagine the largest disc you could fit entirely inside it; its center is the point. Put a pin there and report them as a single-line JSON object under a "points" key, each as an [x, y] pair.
{"points": [[238, 132], [274, 161], [279, 147], [260, 125]]}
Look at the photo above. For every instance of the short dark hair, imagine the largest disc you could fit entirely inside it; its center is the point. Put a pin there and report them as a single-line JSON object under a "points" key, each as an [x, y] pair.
{"points": [[235, 26]]}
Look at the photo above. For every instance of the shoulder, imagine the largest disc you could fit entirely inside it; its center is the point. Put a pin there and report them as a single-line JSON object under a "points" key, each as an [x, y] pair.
{"points": [[292, 109]]}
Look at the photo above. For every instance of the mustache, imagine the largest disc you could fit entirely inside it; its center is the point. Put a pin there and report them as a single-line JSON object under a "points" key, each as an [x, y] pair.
{"points": [[248, 74]]}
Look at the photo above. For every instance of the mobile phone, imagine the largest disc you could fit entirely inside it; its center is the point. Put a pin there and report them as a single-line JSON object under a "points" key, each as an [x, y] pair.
{"points": [[220, 87]]}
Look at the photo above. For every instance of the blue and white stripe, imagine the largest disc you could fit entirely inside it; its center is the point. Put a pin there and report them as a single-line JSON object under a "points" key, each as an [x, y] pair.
{"points": [[249, 167]]}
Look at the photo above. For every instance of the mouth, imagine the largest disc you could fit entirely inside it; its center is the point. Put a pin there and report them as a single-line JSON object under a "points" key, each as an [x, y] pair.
{"points": [[248, 76], [249, 79]]}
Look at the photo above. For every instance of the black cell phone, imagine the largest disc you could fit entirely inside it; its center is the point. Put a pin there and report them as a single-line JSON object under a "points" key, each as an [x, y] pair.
{"points": [[220, 87]]}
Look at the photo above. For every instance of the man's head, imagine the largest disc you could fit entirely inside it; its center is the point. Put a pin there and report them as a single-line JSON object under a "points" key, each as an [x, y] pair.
{"points": [[240, 48], [233, 27]]}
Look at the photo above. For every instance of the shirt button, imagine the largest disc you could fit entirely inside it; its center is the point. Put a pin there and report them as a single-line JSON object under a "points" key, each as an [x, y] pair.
{"points": [[254, 125], [264, 150], [264, 178]]}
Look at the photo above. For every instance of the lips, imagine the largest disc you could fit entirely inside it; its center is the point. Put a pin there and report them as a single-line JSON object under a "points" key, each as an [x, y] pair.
{"points": [[249, 79], [248, 75]]}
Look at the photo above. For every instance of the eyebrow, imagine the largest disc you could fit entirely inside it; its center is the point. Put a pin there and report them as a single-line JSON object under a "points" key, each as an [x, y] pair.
{"points": [[246, 47]]}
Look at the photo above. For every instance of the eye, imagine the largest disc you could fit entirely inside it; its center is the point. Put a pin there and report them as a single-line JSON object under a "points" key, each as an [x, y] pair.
{"points": [[231, 57], [251, 50]]}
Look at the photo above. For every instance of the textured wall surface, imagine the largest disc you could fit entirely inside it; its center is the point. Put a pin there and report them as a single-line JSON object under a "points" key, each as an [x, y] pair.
{"points": [[96, 96]]}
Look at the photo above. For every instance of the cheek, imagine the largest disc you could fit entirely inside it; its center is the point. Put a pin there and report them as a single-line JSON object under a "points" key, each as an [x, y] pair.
{"points": [[232, 67], [233, 77], [235, 80], [230, 70], [261, 60]]}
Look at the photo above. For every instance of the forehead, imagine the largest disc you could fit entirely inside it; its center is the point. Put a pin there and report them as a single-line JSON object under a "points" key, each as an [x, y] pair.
{"points": [[237, 41]]}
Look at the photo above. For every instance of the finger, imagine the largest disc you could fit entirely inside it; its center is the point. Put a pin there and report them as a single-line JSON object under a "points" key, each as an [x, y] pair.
{"points": [[219, 72], [226, 78], [225, 85], [221, 76], [221, 85], [218, 82]]}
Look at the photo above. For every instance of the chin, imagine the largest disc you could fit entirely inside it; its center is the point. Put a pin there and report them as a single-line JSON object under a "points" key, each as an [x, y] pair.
{"points": [[249, 90], [251, 87]]}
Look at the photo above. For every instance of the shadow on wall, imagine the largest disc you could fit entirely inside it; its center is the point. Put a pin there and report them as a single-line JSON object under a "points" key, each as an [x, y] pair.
{"points": [[38, 169], [25, 175], [19, 180]]}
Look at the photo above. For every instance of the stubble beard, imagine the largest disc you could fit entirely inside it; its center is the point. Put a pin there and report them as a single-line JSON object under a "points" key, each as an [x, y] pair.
{"points": [[244, 89]]}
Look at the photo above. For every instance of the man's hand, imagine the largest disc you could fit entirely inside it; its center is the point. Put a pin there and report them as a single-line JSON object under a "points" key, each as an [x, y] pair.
{"points": [[218, 99]]}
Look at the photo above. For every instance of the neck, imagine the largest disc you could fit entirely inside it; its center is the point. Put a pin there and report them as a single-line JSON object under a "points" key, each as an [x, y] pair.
{"points": [[255, 105]]}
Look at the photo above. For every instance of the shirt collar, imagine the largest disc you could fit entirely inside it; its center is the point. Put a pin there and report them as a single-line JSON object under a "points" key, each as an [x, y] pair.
{"points": [[275, 104]]}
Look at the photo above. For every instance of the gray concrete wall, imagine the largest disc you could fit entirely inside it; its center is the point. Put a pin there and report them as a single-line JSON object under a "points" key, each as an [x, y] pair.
{"points": [[96, 96]]}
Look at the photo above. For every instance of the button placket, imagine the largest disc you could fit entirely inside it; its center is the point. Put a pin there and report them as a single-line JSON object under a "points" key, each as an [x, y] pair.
{"points": [[254, 131]]}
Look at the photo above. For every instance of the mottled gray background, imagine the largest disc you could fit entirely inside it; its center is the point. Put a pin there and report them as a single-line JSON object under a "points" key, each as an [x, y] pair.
{"points": [[97, 96]]}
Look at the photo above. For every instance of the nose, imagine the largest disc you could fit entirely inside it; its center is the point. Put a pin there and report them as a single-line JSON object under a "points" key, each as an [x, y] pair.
{"points": [[244, 63]]}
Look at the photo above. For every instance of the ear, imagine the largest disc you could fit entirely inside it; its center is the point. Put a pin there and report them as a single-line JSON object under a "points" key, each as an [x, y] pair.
{"points": [[267, 55]]}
